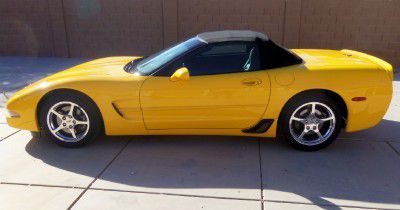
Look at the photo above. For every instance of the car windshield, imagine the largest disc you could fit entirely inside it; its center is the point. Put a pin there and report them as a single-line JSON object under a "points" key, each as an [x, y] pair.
{"points": [[148, 65]]}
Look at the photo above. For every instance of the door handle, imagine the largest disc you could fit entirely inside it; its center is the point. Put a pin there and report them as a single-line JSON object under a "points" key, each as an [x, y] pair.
{"points": [[251, 82]]}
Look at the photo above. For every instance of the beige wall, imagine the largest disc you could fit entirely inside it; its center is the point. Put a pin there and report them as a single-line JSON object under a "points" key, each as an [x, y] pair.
{"points": [[94, 28]]}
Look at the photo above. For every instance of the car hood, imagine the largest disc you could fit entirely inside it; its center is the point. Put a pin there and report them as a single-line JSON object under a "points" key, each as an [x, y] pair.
{"points": [[99, 70], [110, 67]]}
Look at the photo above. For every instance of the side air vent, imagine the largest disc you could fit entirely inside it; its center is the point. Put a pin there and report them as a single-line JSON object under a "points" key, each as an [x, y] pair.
{"points": [[117, 110], [260, 127]]}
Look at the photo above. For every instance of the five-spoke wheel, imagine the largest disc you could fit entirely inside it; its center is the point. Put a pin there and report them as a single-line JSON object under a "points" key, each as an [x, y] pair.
{"points": [[70, 119], [311, 122]]}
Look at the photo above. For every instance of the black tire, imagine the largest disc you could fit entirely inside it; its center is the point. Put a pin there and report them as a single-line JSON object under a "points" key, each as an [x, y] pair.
{"points": [[85, 103], [295, 104]]}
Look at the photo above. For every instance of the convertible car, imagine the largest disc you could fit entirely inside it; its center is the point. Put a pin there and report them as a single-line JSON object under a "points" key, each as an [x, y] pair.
{"points": [[216, 83]]}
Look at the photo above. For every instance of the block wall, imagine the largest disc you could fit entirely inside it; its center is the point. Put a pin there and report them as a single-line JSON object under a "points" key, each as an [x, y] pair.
{"points": [[96, 28]]}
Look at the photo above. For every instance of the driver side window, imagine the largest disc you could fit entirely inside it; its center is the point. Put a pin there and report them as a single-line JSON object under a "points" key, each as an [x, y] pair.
{"points": [[221, 58]]}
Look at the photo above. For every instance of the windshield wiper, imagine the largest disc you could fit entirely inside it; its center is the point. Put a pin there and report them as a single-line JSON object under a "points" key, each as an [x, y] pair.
{"points": [[132, 64]]}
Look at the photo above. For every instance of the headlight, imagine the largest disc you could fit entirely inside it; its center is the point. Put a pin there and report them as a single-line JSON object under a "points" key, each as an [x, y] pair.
{"points": [[11, 114]]}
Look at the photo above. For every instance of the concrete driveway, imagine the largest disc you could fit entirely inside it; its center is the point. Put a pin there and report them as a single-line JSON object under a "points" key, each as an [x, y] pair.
{"points": [[361, 170]]}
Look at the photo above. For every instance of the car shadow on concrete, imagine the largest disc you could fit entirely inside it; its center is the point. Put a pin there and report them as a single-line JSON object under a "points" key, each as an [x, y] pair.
{"points": [[350, 170], [361, 170]]}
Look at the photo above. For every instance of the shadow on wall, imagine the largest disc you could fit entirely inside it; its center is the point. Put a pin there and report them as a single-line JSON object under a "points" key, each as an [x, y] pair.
{"points": [[22, 35], [88, 8], [345, 170]]}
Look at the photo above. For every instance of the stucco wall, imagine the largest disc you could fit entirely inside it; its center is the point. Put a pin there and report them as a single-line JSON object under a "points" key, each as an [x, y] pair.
{"points": [[94, 28]]}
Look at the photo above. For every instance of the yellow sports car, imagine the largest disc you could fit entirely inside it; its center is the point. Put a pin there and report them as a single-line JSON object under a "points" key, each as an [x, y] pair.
{"points": [[216, 83]]}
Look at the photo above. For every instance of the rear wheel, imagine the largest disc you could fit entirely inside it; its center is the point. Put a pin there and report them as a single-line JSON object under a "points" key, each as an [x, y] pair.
{"points": [[70, 120], [311, 123]]}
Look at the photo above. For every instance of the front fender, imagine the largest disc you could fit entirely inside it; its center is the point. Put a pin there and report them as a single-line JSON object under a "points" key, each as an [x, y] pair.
{"points": [[24, 103], [103, 90]]}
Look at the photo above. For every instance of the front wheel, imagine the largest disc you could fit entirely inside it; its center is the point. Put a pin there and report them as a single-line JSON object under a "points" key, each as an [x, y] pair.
{"points": [[311, 123], [70, 120]]}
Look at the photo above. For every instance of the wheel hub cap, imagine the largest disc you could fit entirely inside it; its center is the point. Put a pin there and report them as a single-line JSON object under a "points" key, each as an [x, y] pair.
{"points": [[312, 123], [68, 121]]}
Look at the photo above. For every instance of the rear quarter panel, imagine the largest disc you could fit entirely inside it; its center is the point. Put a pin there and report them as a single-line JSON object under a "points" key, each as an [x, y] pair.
{"points": [[347, 81]]}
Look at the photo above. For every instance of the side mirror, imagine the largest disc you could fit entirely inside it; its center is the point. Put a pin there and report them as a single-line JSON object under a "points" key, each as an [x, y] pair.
{"points": [[180, 74]]}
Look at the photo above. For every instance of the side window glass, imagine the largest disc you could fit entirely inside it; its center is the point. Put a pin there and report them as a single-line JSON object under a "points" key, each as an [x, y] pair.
{"points": [[226, 49], [221, 58]]}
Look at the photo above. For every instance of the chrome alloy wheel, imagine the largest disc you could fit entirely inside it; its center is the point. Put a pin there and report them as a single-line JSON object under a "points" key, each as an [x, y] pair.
{"points": [[68, 121], [312, 123]]}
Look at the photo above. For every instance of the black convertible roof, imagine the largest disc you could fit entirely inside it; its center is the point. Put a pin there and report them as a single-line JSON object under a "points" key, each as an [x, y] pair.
{"points": [[231, 35]]}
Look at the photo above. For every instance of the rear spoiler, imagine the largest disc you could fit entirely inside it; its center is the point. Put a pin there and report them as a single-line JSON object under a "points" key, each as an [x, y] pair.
{"points": [[381, 63]]}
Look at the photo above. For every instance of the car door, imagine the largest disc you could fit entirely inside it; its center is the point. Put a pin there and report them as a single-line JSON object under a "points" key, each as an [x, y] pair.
{"points": [[225, 90]]}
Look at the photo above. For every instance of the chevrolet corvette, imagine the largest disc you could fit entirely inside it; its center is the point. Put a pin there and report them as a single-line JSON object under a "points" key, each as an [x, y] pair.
{"points": [[216, 83]]}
